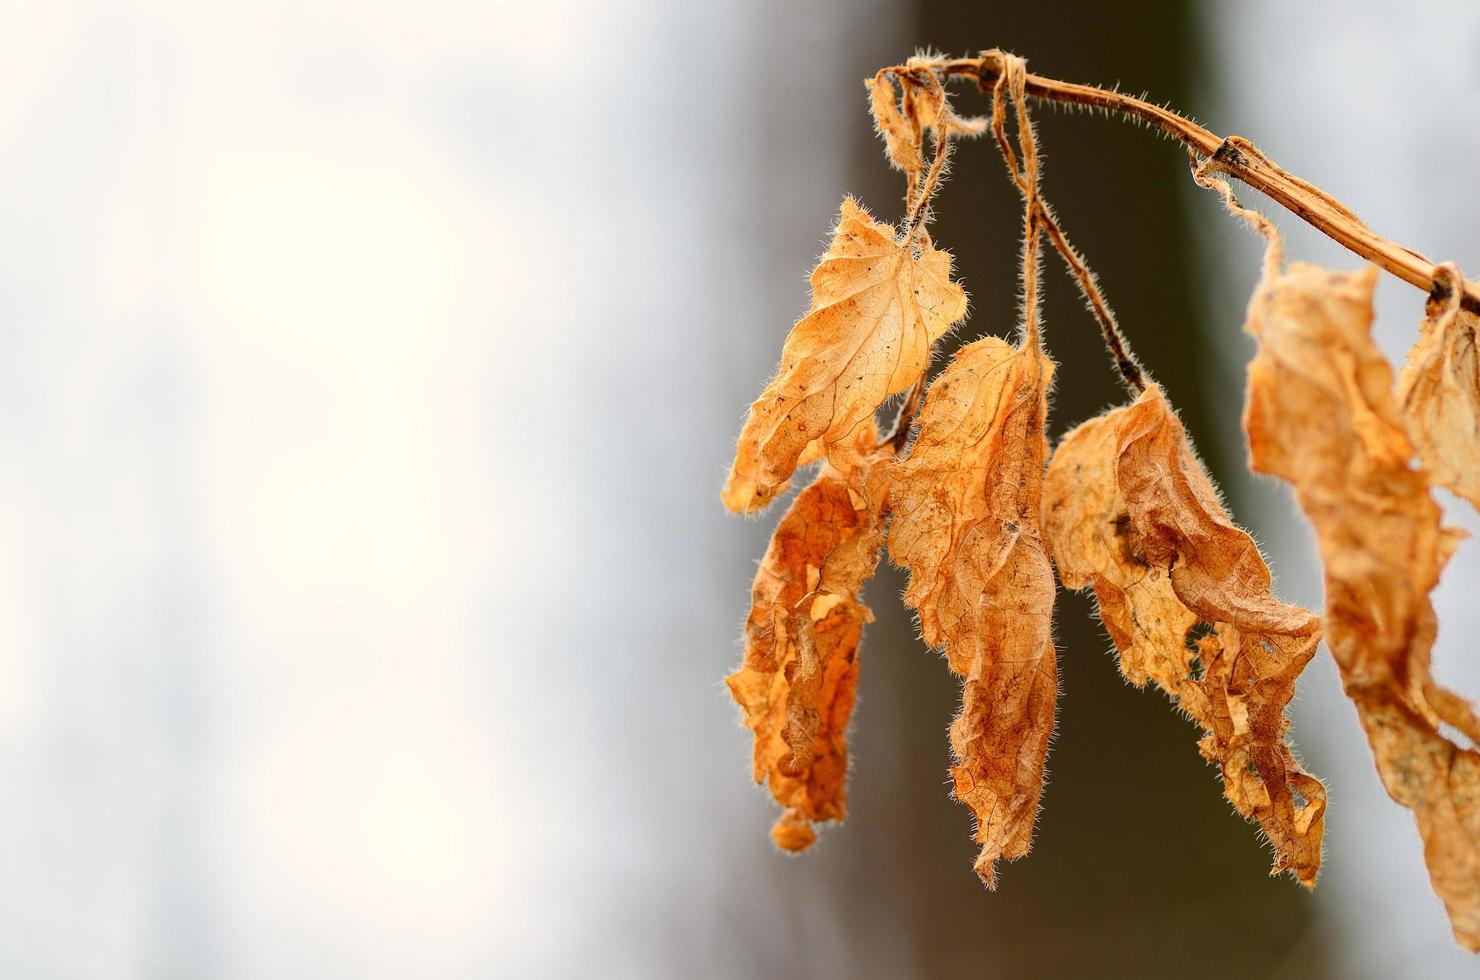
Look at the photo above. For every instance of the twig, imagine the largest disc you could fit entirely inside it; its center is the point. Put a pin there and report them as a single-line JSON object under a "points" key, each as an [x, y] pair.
{"points": [[1237, 158], [905, 420]]}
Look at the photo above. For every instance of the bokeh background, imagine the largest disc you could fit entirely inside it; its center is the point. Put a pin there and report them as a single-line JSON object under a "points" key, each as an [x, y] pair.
{"points": [[368, 374]]}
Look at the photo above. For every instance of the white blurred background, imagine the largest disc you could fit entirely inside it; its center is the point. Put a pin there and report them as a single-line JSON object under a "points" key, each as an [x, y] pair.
{"points": [[368, 371]]}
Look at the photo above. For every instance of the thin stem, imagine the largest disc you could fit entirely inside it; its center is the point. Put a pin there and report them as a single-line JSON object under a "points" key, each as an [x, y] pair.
{"points": [[1009, 84], [905, 420], [1043, 219], [940, 156], [1089, 288], [918, 215], [1237, 158]]}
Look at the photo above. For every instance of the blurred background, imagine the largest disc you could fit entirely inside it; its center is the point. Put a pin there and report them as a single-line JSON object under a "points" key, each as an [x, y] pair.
{"points": [[369, 372]]}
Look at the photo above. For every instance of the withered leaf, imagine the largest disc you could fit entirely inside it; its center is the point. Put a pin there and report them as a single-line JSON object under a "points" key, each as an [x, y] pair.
{"points": [[966, 504], [1088, 527], [901, 134], [1216, 569], [877, 306], [922, 105], [1439, 389], [1130, 510], [1321, 414], [800, 672]]}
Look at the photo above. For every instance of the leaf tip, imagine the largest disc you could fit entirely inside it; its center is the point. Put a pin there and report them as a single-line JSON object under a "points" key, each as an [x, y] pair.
{"points": [[793, 831], [986, 868]]}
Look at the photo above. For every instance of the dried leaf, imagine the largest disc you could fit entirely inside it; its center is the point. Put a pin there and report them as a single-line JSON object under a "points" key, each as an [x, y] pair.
{"points": [[799, 676], [966, 512], [925, 106], [877, 306], [921, 105], [1088, 526], [1321, 414], [1439, 389], [929, 106], [1216, 568], [1129, 509], [902, 137]]}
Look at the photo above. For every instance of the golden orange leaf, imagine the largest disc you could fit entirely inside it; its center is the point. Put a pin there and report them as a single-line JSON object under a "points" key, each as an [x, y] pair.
{"points": [[1216, 568], [1088, 527], [1129, 509], [800, 672], [1321, 414], [1439, 389], [877, 307], [966, 523]]}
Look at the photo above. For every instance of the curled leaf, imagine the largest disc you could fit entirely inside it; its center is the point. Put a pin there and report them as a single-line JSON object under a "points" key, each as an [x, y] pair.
{"points": [[1321, 414], [901, 133], [877, 307], [1216, 568], [800, 672], [1129, 509], [901, 120], [966, 523], [1439, 390], [1088, 526]]}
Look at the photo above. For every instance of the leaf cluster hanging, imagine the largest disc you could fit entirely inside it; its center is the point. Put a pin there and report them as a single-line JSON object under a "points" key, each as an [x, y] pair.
{"points": [[966, 496]]}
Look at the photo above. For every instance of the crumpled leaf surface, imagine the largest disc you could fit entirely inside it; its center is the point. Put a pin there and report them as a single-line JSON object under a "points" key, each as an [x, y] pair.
{"points": [[1321, 414], [966, 504], [877, 307], [800, 673], [1129, 509], [1216, 568], [1439, 390], [1088, 526]]}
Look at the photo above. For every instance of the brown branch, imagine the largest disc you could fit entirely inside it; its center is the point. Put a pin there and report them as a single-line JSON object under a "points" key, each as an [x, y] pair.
{"points": [[1237, 158], [1089, 288]]}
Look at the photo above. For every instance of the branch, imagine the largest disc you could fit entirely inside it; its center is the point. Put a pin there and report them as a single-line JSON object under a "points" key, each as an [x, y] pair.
{"points": [[1238, 158]]}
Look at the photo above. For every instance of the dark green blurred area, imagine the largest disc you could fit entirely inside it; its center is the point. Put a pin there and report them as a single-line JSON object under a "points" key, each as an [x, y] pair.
{"points": [[1140, 868]]}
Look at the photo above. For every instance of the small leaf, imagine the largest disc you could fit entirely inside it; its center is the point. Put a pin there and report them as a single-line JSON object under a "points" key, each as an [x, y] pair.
{"points": [[877, 307], [902, 139]]}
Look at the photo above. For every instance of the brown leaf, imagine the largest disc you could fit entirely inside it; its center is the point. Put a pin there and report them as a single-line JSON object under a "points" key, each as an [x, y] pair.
{"points": [[1216, 569], [902, 118], [966, 514], [927, 107], [799, 676], [1088, 526], [1129, 509], [901, 134], [1321, 414], [1439, 389], [877, 307]]}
